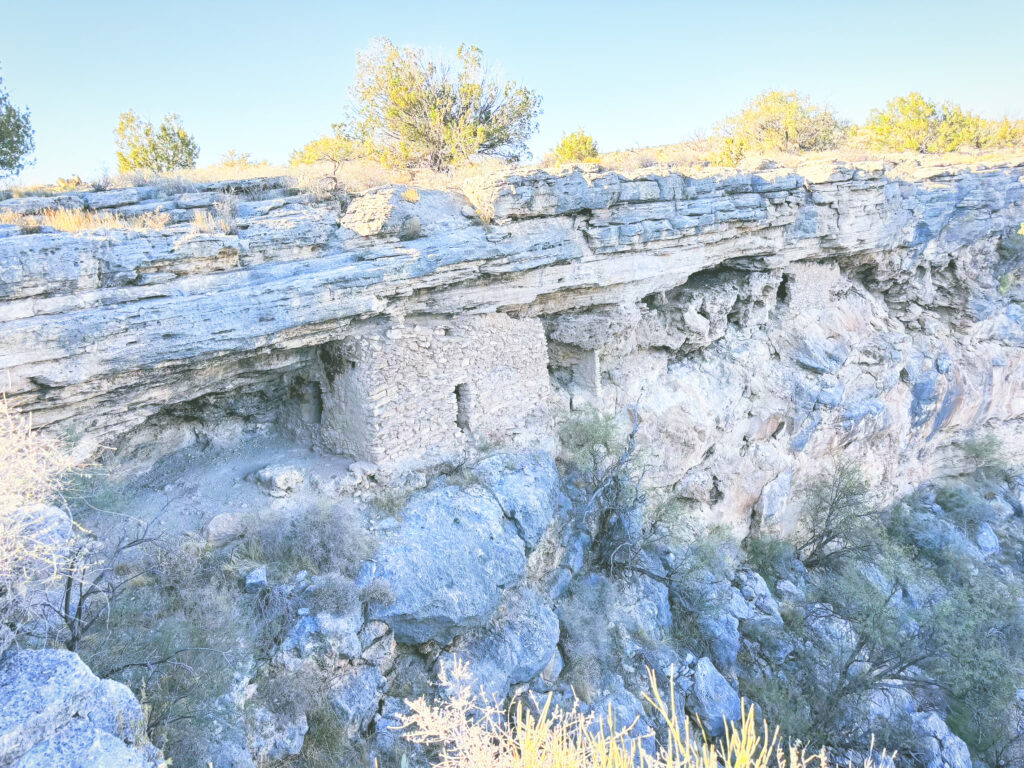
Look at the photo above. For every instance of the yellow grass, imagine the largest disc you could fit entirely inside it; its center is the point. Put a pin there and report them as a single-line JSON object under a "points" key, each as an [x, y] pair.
{"points": [[470, 734], [205, 221], [77, 220]]}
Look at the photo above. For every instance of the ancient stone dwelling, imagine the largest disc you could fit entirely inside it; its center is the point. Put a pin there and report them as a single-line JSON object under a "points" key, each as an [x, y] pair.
{"points": [[420, 394]]}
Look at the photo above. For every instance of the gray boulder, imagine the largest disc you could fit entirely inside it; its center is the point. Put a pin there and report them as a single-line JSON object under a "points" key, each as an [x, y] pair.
{"points": [[712, 699], [987, 540], [55, 711], [320, 635], [356, 695], [274, 737], [446, 563], [519, 642], [526, 486], [940, 747]]}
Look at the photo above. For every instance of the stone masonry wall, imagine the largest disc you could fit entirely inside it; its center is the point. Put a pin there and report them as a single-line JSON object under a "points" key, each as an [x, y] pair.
{"points": [[422, 394]]}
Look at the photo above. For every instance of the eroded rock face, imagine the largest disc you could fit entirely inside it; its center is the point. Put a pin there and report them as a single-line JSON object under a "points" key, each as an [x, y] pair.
{"points": [[766, 318], [55, 711]]}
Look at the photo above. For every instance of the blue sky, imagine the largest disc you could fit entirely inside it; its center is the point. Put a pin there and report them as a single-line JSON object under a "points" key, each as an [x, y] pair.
{"points": [[264, 77]]}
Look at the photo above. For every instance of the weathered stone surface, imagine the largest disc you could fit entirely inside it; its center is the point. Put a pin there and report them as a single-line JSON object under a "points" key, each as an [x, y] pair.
{"points": [[712, 699], [322, 634], [355, 696], [519, 641], [767, 318], [527, 487], [273, 737], [446, 564], [55, 711]]}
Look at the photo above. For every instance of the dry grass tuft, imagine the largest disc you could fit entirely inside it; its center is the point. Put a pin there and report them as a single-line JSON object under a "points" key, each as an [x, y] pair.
{"points": [[76, 220], [469, 734], [204, 220]]}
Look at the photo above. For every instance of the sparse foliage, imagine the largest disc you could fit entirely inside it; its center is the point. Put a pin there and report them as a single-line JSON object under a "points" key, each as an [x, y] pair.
{"points": [[469, 733], [17, 139], [32, 540], [414, 111], [838, 519], [163, 148]]}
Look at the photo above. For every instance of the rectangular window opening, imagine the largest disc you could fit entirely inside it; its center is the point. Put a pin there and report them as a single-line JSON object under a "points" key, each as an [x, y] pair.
{"points": [[462, 407]]}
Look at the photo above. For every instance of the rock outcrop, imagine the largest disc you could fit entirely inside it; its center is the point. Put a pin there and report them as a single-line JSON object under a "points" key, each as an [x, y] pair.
{"points": [[55, 712], [761, 319]]}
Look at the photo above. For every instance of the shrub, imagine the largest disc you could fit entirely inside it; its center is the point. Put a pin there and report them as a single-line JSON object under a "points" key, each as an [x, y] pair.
{"points": [[837, 519], [772, 557], [963, 507], [333, 149], [32, 546], [575, 147], [17, 139], [985, 452], [779, 121], [470, 734], [321, 539], [913, 123], [413, 111], [141, 146], [906, 123]]}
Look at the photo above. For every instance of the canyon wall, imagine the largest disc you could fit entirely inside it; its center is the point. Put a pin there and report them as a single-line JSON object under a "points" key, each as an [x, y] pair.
{"points": [[758, 323]]}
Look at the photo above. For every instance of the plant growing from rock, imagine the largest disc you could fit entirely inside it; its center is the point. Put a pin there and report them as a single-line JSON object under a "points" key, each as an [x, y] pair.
{"points": [[33, 537], [469, 733], [838, 520]]}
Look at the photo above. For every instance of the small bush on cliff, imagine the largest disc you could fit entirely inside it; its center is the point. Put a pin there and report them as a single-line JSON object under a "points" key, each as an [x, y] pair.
{"points": [[414, 111], [913, 123], [778, 121], [575, 147], [838, 520], [17, 139], [141, 146]]}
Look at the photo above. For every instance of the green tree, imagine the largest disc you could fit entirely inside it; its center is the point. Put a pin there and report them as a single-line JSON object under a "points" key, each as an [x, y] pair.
{"points": [[780, 121], [141, 146], [17, 139], [413, 111], [576, 147]]}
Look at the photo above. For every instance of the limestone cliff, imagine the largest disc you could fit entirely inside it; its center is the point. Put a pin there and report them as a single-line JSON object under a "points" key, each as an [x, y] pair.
{"points": [[758, 321]]}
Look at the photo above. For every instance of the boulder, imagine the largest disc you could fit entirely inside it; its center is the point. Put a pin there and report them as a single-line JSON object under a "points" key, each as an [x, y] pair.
{"points": [[355, 696], [446, 563], [274, 737], [519, 641], [940, 747], [55, 711], [279, 479], [527, 488], [320, 635], [987, 540], [712, 699], [256, 581]]}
